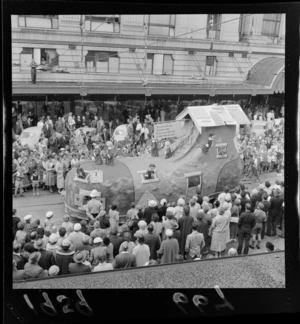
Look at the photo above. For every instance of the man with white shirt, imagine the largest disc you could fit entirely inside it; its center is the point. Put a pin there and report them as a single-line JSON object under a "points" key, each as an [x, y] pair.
{"points": [[40, 124]]}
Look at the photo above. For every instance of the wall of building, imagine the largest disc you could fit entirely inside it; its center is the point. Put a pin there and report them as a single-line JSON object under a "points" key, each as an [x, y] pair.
{"points": [[189, 48]]}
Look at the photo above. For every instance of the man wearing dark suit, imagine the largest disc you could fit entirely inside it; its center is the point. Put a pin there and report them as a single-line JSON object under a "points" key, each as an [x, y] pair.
{"points": [[105, 135], [125, 259], [47, 129]]}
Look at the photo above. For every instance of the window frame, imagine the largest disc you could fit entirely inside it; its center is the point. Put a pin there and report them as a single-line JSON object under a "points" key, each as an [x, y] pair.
{"points": [[215, 66], [221, 145], [170, 25], [51, 17], [144, 181], [216, 27], [277, 26], [109, 54]]}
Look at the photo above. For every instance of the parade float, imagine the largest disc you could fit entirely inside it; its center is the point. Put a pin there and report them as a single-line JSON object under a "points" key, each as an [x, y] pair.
{"points": [[203, 154]]}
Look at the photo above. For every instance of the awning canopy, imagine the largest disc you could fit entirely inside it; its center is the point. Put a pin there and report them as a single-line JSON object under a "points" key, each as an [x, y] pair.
{"points": [[215, 115], [268, 73]]}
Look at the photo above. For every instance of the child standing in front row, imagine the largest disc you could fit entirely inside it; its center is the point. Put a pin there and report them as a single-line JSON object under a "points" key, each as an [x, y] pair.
{"points": [[35, 183]]}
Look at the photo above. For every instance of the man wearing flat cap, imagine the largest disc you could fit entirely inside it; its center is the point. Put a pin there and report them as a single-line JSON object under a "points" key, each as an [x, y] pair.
{"points": [[32, 269]]}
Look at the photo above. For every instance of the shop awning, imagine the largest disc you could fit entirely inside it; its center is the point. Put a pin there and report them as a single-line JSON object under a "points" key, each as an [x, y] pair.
{"points": [[268, 73]]}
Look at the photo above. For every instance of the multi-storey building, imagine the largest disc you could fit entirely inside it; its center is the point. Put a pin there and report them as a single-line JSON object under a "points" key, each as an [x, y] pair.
{"points": [[206, 57]]}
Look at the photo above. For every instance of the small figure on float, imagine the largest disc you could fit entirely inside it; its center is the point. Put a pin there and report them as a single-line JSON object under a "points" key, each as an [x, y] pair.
{"points": [[151, 172], [110, 153], [207, 146], [168, 151], [154, 147], [80, 172], [98, 155]]}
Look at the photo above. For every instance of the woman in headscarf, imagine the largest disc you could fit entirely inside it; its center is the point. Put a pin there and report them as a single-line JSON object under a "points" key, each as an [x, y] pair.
{"points": [[178, 211], [218, 233]]}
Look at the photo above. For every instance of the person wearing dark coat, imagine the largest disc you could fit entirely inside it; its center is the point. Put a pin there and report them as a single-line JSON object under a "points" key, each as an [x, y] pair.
{"points": [[185, 226], [124, 259], [153, 241], [116, 241], [63, 257], [46, 259], [149, 211], [274, 213], [266, 208], [244, 200], [15, 222], [161, 210]]}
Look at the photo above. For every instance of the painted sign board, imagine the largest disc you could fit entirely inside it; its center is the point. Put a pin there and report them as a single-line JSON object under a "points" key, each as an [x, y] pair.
{"points": [[167, 129]]}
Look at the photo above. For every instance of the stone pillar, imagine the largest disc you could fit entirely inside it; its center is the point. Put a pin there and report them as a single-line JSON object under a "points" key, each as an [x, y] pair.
{"points": [[282, 30]]}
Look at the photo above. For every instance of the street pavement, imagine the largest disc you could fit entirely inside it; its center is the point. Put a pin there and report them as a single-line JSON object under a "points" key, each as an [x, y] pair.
{"points": [[39, 206]]}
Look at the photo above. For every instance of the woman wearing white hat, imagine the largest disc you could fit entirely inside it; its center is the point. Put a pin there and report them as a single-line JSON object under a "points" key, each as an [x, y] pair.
{"points": [[169, 249], [94, 206]]}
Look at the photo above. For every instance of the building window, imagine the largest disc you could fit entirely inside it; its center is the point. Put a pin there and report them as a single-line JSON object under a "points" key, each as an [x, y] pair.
{"points": [[221, 150], [161, 25], [213, 26], [41, 56], [211, 66], [39, 21], [102, 23], [102, 62], [162, 64], [271, 25]]}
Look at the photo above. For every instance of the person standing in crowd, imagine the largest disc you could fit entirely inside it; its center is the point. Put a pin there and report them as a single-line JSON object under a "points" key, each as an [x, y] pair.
{"points": [[178, 210], [32, 269], [59, 169], [218, 232], [35, 183], [153, 241], [115, 240], [125, 259], [76, 237], [246, 224], [235, 213], [128, 242], [260, 218], [185, 226], [64, 256], [194, 243], [169, 249], [113, 217], [50, 176], [15, 221], [97, 251], [274, 213], [19, 181], [67, 224], [141, 252], [94, 206], [46, 259], [78, 265], [151, 209], [18, 274], [103, 265]]}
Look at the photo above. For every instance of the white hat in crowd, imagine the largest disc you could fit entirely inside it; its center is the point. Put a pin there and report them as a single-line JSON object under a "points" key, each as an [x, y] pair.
{"points": [[94, 193], [53, 270], [152, 203], [142, 224], [163, 201], [53, 238], [49, 214], [180, 202], [98, 240], [77, 227], [27, 217], [169, 232]]}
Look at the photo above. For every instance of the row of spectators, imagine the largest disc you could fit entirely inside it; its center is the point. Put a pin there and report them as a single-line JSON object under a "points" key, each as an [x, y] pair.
{"points": [[159, 234]]}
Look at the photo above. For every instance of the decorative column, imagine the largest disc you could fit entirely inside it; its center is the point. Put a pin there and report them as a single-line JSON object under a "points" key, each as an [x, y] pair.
{"points": [[253, 28]]}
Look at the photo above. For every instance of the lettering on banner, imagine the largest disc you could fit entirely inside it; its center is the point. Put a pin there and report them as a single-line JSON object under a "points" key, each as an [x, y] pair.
{"points": [[167, 130]]}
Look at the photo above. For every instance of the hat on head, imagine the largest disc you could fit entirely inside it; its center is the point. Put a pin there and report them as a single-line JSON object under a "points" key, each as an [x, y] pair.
{"points": [[49, 214], [169, 214], [66, 243], [163, 201], [132, 204], [152, 203], [180, 202], [34, 257], [77, 227], [174, 224], [102, 213], [39, 244], [232, 251], [94, 193], [261, 186], [79, 257], [86, 239], [142, 224], [62, 149], [92, 222], [27, 217], [53, 270], [98, 240], [53, 238], [169, 232]]}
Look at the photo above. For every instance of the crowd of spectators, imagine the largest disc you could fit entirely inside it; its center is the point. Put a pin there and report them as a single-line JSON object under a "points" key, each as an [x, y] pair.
{"points": [[158, 234]]}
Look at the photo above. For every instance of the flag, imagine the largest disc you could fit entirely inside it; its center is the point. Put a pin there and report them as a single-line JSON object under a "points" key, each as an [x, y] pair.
{"points": [[194, 181]]}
